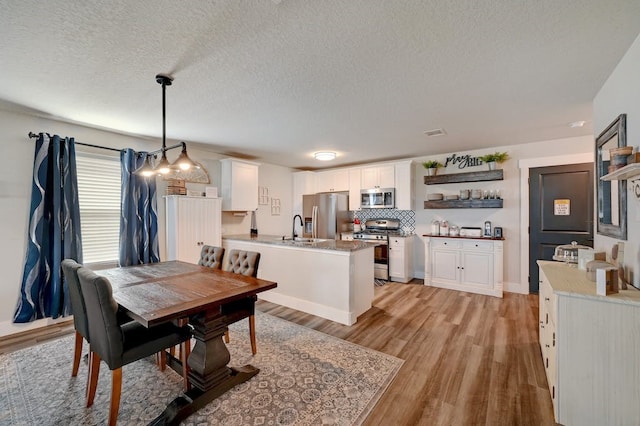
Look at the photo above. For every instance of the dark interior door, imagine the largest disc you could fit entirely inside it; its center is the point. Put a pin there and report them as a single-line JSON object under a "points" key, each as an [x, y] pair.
{"points": [[560, 211]]}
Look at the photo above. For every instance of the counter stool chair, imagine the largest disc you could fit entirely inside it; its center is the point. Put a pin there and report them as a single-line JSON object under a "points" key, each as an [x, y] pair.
{"points": [[244, 263], [117, 344]]}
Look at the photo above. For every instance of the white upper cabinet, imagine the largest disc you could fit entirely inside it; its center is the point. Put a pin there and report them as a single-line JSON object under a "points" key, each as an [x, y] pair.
{"points": [[332, 180], [354, 189], [239, 182], [378, 177], [404, 186], [304, 183]]}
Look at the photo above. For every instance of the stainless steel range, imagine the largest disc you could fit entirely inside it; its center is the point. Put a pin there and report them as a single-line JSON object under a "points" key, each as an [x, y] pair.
{"points": [[378, 231]]}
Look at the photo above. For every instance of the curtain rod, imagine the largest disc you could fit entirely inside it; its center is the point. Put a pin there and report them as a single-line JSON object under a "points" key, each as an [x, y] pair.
{"points": [[33, 135]]}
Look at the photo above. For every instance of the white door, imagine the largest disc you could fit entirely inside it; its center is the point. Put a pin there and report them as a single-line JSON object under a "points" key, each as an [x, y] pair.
{"points": [[477, 268]]}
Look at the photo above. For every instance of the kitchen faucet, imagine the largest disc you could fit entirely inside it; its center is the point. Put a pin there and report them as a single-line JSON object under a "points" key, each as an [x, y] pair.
{"points": [[293, 230]]}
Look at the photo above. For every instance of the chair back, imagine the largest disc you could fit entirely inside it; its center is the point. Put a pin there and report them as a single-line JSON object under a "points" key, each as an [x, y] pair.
{"points": [[70, 270], [102, 309], [243, 262], [211, 257]]}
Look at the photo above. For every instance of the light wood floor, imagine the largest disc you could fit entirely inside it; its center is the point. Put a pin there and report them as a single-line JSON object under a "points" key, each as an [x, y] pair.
{"points": [[469, 359]]}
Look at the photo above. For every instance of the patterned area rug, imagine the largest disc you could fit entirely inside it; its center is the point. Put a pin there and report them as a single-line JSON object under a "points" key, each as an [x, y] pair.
{"points": [[306, 378]]}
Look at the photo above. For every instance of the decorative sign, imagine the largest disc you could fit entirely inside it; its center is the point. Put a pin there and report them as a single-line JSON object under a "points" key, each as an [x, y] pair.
{"points": [[561, 207], [463, 161]]}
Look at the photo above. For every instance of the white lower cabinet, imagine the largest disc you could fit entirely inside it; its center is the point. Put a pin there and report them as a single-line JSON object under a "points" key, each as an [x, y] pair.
{"points": [[473, 265], [192, 222], [401, 259], [589, 346]]}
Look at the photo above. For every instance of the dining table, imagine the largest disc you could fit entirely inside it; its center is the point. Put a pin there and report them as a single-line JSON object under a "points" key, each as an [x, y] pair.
{"points": [[211, 299]]}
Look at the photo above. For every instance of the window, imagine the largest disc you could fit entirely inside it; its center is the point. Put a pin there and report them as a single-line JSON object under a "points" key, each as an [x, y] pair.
{"points": [[99, 198]]}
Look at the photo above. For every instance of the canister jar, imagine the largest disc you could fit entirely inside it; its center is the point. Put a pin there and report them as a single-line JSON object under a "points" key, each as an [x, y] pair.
{"points": [[435, 228], [444, 228], [454, 231]]}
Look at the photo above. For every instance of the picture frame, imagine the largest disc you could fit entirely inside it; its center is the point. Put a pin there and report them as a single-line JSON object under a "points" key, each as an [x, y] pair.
{"points": [[497, 232]]}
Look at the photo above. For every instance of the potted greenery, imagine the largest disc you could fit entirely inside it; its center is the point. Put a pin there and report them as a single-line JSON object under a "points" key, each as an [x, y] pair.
{"points": [[492, 159], [431, 166]]}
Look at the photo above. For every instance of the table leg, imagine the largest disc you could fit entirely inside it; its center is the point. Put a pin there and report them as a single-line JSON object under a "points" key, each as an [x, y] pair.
{"points": [[209, 373]]}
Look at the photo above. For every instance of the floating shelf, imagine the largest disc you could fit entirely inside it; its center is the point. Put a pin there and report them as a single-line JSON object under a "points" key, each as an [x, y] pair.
{"points": [[464, 204], [465, 177], [627, 172]]}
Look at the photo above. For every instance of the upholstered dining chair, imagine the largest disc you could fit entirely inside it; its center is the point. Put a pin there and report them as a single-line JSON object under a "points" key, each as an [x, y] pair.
{"points": [[70, 272], [211, 257], [116, 344], [244, 263]]}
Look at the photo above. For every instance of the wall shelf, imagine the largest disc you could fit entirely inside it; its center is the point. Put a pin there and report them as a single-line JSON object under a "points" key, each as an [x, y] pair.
{"points": [[627, 172], [465, 177], [464, 204]]}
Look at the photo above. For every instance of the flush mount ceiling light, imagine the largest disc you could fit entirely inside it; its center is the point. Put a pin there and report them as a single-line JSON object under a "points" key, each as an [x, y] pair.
{"points": [[183, 162], [325, 155], [575, 124]]}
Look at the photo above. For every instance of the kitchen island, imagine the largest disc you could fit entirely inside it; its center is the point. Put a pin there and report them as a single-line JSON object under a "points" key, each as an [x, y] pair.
{"points": [[332, 279]]}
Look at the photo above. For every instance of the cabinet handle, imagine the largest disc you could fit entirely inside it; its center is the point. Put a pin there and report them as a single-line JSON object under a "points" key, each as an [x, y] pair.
{"points": [[553, 392], [476, 245], [546, 299], [547, 363], [547, 345]]}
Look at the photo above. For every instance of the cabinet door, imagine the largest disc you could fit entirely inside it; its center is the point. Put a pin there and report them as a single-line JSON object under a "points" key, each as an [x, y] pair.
{"points": [[444, 265], [303, 183], [378, 177], [239, 185], [396, 258], [405, 193], [333, 181], [477, 268], [354, 189], [192, 223]]}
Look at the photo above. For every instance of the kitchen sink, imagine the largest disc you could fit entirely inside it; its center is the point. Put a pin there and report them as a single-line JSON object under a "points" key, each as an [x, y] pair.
{"points": [[303, 240]]}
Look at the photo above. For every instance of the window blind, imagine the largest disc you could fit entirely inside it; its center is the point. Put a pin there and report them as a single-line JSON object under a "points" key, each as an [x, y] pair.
{"points": [[99, 197]]}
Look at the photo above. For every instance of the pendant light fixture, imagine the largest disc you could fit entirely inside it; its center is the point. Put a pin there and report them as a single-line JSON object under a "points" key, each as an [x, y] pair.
{"points": [[183, 162]]}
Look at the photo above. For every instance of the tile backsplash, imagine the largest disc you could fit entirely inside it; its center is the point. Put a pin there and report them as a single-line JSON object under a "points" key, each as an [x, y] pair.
{"points": [[407, 217]]}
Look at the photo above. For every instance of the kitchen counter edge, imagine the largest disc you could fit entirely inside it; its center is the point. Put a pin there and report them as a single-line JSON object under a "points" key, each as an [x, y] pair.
{"points": [[333, 245]]}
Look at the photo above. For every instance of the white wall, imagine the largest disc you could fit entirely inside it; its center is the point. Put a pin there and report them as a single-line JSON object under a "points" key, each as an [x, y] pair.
{"points": [[621, 95], [509, 217], [15, 194]]}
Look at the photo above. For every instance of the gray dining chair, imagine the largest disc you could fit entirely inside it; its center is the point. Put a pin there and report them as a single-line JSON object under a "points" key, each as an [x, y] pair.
{"points": [[118, 345], [244, 263], [211, 257], [70, 272]]}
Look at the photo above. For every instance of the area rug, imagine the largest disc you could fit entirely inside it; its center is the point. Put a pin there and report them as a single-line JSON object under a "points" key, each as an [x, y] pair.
{"points": [[306, 378]]}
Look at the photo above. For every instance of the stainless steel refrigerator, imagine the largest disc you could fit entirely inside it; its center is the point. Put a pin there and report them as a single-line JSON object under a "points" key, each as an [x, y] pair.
{"points": [[326, 215]]}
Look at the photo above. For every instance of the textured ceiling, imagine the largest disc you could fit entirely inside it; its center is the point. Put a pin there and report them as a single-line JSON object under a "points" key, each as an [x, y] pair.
{"points": [[277, 80]]}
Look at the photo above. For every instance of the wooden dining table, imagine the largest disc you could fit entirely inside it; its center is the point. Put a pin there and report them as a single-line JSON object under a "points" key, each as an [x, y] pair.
{"points": [[211, 299]]}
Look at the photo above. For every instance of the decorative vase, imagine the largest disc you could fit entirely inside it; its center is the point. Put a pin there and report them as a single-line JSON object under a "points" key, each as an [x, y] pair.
{"points": [[492, 165], [431, 171]]}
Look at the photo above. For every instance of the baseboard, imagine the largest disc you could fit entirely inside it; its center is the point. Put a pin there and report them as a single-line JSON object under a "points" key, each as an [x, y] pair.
{"points": [[516, 288], [343, 317], [8, 328]]}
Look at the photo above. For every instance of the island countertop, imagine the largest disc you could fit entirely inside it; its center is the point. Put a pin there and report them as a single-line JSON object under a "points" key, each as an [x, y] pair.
{"points": [[335, 245]]}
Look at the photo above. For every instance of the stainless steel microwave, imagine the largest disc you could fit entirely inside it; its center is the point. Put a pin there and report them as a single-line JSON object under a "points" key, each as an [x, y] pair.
{"points": [[377, 198]]}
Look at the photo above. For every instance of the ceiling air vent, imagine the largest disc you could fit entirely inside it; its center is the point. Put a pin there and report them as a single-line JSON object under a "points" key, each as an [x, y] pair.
{"points": [[435, 132]]}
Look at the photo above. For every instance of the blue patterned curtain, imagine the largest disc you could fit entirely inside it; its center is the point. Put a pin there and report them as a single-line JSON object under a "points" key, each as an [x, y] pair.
{"points": [[54, 230], [139, 213]]}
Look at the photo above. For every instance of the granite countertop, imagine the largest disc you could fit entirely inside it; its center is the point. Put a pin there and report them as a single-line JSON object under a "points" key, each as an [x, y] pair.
{"points": [[335, 245]]}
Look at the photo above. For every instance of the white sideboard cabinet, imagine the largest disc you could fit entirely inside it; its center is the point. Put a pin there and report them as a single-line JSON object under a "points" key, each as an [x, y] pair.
{"points": [[465, 264], [192, 222], [589, 346]]}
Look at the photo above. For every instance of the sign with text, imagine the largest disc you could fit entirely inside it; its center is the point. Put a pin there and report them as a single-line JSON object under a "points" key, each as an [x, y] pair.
{"points": [[561, 207], [463, 161]]}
